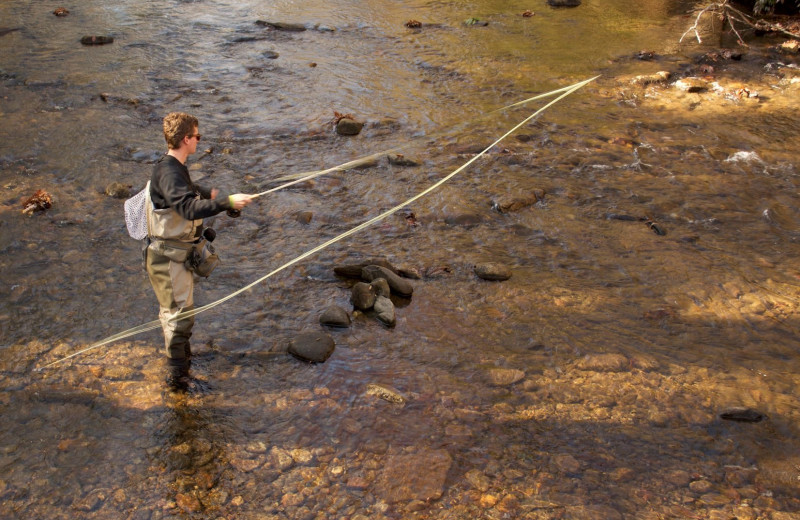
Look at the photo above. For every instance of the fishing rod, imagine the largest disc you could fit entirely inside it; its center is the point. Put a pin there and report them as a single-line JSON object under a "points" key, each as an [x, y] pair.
{"points": [[156, 323]]}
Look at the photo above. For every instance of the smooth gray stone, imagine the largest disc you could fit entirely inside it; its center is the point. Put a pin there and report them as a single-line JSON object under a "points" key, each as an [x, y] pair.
{"points": [[314, 347]]}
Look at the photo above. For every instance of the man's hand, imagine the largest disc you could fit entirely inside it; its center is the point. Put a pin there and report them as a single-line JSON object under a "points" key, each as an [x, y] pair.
{"points": [[240, 200]]}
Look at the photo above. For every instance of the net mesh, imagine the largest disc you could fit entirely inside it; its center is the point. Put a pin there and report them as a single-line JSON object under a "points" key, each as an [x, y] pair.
{"points": [[136, 215]]}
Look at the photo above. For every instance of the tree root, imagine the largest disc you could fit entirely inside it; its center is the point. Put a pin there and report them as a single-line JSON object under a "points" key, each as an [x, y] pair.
{"points": [[734, 16]]}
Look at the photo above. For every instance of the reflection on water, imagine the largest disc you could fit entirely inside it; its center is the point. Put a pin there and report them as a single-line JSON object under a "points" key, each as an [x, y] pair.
{"points": [[589, 385]]}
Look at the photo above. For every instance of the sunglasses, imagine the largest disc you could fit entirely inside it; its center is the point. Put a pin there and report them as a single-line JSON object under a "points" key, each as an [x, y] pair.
{"points": [[198, 136]]}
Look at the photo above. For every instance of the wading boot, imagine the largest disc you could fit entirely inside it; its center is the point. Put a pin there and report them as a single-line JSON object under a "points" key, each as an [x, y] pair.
{"points": [[178, 377]]}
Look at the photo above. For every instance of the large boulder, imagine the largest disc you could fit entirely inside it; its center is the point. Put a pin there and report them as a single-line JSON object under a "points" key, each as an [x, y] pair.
{"points": [[314, 347]]}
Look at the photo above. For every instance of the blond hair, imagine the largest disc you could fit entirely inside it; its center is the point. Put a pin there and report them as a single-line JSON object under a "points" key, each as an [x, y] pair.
{"points": [[178, 125]]}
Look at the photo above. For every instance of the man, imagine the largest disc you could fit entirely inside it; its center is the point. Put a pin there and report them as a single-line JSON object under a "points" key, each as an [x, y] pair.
{"points": [[175, 224]]}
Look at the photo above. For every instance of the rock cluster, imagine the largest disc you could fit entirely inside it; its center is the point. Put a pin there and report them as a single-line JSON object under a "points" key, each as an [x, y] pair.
{"points": [[379, 281]]}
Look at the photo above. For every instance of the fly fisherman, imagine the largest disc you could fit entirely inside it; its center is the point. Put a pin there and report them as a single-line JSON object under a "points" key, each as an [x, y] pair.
{"points": [[175, 227]]}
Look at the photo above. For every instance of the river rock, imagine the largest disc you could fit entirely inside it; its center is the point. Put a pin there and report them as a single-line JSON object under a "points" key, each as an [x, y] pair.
{"points": [[303, 217], [381, 287], [478, 480], [118, 190], [691, 84], [742, 415], [398, 159], [188, 503], [347, 126], [492, 271], [335, 316], [363, 296], [384, 309], [505, 376], [354, 270], [398, 285], [465, 220], [387, 393], [282, 26], [603, 363], [407, 271], [280, 459], [790, 47], [97, 40], [649, 79], [566, 463], [314, 347], [563, 3], [91, 501], [509, 204], [412, 476]]}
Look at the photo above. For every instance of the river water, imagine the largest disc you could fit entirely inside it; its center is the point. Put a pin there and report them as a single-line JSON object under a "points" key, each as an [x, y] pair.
{"points": [[588, 385]]}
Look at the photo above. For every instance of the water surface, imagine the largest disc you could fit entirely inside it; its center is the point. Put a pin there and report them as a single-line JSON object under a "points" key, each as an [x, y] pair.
{"points": [[626, 345]]}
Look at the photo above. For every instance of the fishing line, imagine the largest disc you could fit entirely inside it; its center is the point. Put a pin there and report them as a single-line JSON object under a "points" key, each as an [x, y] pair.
{"points": [[157, 324], [297, 178]]}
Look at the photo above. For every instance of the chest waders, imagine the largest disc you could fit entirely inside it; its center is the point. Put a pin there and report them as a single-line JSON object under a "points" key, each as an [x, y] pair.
{"points": [[171, 239]]}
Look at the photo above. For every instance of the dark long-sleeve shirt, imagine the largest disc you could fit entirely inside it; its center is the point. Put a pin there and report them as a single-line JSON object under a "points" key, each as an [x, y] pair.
{"points": [[171, 187]]}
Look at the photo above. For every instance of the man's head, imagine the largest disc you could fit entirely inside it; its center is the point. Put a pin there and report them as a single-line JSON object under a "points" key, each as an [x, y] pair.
{"points": [[178, 125]]}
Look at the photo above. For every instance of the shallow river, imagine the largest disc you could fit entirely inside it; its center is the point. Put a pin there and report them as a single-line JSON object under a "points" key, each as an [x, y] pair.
{"points": [[654, 285]]}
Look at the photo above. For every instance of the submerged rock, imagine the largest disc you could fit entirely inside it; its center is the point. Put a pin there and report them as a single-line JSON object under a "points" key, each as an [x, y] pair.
{"points": [[604, 363], [492, 271], [418, 475], [563, 3], [466, 220], [314, 347], [509, 204], [742, 415], [118, 190], [398, 159], [97, 40], [387, 393], [335, 316], [505, 376], [282, 26]]}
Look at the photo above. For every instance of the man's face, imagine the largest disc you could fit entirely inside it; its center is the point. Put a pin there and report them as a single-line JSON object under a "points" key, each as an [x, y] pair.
{"points": [[194, 138]]}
